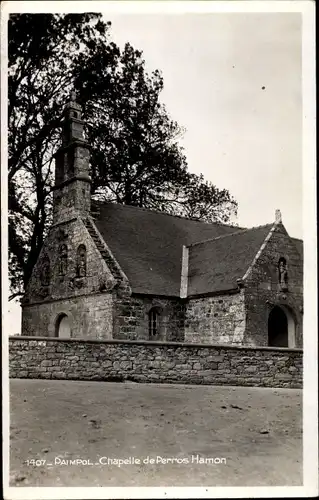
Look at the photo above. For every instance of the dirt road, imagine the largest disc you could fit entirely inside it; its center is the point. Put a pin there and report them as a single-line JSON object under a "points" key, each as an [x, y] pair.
{"points": [[189, 432]]}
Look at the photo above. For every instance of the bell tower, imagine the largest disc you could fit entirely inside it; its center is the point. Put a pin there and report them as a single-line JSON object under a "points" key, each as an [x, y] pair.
{"points": [[72, 189]]}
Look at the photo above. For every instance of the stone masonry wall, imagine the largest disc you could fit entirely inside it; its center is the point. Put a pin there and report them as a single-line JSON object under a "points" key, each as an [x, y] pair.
{"points": [[216, 320], [89, 309], [131, 318], [262, 290], [90, 317], [72, 195], [71, 234], [154, 362]]}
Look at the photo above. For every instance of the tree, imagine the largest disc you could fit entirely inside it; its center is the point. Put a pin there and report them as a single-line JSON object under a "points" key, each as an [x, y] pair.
{"points": [[43, 51], [136, 158]]}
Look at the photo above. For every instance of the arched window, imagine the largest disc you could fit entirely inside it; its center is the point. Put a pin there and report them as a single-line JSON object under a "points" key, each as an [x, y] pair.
{"points": [[45, 271], [153, 323], [63, 326], [283, 274], [63, 260], [81, 261]]}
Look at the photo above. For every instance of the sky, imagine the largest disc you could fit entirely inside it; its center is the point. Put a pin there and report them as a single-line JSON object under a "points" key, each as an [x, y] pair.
{"points": [[233, 81]]}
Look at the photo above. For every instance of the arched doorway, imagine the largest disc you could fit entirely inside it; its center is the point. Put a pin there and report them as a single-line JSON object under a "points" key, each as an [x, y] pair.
{"points": [[281, 328], [63, 327]]}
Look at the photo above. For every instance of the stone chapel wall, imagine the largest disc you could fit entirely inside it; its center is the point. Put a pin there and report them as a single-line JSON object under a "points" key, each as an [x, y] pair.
{"points": [[57, 285], [216, 320], [90, 317], [263, 292], [131, 317]]}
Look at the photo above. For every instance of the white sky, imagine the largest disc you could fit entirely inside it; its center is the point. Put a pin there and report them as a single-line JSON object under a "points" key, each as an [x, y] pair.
{"points": [[240, 136]]}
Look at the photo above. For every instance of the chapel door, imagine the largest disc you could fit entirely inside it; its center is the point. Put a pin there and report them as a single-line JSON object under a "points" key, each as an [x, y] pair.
{"points": [[277, 328], [64, 327]]}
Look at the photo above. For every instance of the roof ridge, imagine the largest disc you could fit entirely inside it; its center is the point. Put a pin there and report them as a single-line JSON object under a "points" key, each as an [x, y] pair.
{"points": [[169, 215], [244, 230]]}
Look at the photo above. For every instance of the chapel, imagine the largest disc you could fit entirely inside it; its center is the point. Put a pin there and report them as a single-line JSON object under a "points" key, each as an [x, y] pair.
{"points": [[112, 271]]}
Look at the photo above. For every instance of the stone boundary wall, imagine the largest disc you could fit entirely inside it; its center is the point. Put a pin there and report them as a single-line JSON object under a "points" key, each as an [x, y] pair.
{"points": [[141, 361]]}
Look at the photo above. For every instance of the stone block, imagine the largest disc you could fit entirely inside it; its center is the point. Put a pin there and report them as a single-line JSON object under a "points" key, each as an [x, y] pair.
{"points": [[59, 375], [216, 358], [283, 376], [224, 365], [210, 366], [167, 365], [183, 366], [197, 366], [126, 365], [95, 364], [64, 362], [46, 362], [251, 369], [105, 363]]}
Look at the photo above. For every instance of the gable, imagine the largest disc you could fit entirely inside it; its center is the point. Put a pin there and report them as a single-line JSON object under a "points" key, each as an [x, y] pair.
{"points": [[71, 235], [264, 272]]}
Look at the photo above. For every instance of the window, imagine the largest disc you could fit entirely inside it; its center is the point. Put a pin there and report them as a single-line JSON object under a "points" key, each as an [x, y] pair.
{"points": [[81, 262], [153, 323], [63, 260], [45, 271]]}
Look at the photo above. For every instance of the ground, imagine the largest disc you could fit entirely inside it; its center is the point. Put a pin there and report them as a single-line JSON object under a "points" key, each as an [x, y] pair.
{"points": [[257, 430]]}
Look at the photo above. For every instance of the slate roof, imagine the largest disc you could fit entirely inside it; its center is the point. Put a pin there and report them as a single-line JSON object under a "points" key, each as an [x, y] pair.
{"points": [[215, 265], [148, 245]]}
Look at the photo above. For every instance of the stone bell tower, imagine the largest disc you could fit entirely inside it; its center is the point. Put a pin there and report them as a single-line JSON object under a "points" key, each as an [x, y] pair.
{"points": [[72, 189]]}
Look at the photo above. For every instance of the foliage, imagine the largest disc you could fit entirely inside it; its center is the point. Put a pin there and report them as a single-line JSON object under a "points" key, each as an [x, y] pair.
{"points": [[136, 157]]}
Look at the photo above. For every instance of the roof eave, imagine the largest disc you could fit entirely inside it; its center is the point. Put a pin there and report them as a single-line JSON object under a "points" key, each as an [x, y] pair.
{"points": [[229, 291]]}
